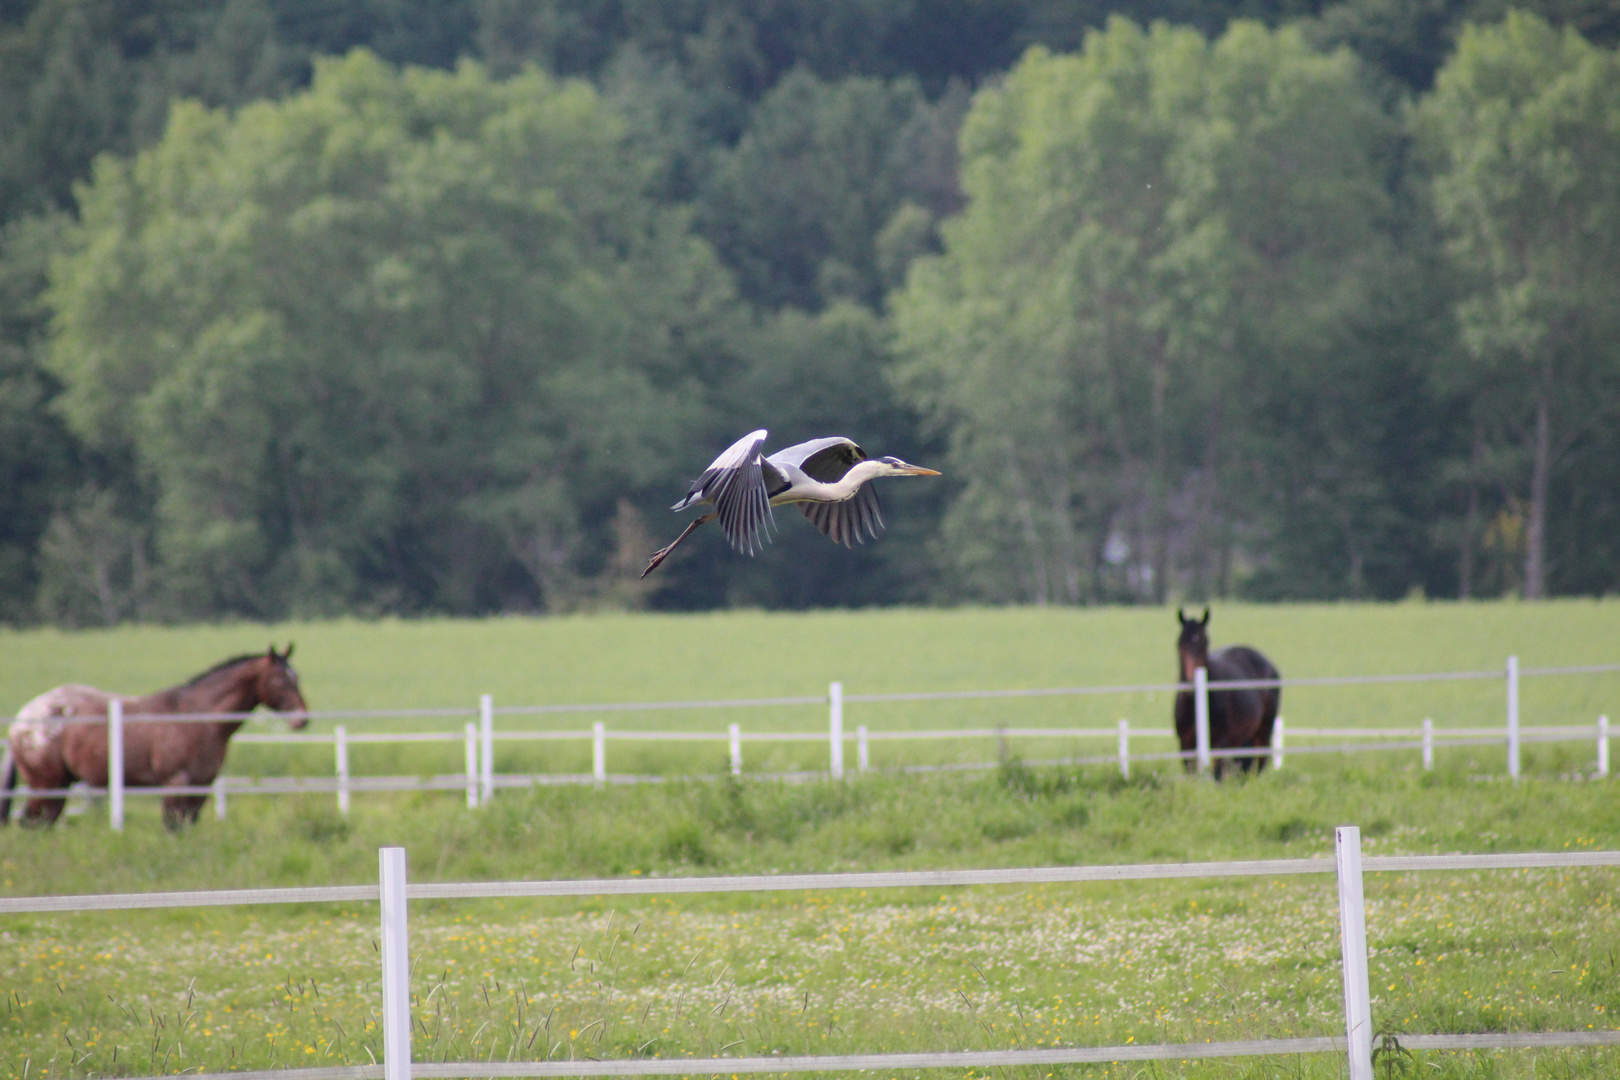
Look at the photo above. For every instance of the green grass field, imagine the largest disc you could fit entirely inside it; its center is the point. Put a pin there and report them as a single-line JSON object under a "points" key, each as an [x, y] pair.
{"points": [[629, 658], [141, 993]]}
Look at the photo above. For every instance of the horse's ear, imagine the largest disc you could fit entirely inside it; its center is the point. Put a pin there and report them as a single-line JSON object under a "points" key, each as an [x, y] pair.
{"points": [[1181, 617], [271, 655], [1205, 620], [287, 654]]}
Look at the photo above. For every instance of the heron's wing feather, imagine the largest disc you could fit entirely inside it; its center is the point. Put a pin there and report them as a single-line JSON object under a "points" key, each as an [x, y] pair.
{"points": [[845, 522], [739, 452], [735, 483], [826, 460]]}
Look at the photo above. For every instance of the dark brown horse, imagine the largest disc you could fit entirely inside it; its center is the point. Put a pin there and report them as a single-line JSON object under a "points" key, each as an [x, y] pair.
{"points": [[51, 751], [1236, 717]]}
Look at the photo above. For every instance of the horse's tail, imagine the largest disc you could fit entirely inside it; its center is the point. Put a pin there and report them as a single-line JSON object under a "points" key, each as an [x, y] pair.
{"points": [[8, 783]]}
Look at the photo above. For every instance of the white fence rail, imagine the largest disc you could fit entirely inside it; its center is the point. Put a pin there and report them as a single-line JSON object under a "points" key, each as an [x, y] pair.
{"points": [[394, 893], [480, 779]]}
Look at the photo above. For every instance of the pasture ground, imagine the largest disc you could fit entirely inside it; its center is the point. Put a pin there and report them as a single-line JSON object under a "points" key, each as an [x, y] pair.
{"points": [[631, 658], [140, 993]]}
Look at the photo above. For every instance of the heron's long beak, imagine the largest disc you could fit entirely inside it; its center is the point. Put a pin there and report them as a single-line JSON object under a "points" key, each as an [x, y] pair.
{"points": [[918, 470]]}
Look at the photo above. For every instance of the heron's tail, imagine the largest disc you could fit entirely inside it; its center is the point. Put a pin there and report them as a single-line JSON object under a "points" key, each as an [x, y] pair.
{"points": [[8, 783]]}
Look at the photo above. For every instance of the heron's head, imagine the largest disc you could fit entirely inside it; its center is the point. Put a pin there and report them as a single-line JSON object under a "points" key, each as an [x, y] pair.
{"points": [[895, 467]]}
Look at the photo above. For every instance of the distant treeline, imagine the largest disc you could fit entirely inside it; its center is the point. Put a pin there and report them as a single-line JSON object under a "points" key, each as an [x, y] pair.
{"points": [[312, 307]]}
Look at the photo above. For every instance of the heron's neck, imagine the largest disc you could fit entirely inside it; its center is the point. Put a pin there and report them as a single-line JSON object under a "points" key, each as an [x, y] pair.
{"points": [[848, 486]]}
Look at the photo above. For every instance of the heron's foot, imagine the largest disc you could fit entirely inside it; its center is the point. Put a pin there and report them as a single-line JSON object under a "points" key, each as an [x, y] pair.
{"points": [[657, 557]]}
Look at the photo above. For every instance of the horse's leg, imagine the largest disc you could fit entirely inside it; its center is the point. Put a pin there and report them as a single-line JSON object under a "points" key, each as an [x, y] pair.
{"points": [[41, 811], [8, 781], [1185, 732], [180, 811]]}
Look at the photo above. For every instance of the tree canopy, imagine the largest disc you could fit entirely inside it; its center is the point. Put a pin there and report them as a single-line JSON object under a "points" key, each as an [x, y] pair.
{"points": [[1144, 333], [398, 332], [394, 306]]}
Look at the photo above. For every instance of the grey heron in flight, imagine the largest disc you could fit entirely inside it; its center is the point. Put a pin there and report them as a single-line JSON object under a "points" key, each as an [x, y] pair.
{"points": [[830, 479]]}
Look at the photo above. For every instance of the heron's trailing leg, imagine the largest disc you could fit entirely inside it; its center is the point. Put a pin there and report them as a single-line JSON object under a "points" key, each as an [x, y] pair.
{"points": [[663, 553]]}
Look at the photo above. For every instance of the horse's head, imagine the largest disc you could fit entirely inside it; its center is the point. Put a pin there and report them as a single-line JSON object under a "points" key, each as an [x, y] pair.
{"points": [[278, 687], [1193, 645]]}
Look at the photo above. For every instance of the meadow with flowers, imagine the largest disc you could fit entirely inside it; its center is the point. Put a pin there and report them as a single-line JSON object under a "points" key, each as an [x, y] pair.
{"points": [[147, 993], [166, 992]]}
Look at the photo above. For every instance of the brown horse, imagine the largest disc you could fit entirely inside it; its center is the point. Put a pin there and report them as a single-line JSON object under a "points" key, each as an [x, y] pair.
{"points": [[1236, 717], [52, 751]]}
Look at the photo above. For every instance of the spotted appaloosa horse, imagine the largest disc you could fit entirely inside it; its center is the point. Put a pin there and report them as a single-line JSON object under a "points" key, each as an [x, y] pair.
{"points": [[1236, 717], [51, 751]]}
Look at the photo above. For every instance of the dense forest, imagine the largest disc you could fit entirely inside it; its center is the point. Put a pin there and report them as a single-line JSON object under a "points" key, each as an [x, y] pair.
{"points": [[312, 307]]}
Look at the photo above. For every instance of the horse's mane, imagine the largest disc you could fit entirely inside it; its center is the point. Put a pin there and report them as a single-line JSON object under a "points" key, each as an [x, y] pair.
{"points": [[222, 665]]}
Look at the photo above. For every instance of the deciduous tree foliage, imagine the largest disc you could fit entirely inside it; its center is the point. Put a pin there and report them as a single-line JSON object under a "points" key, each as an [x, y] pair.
{"points": [[1140, 333], [415, 342], [391, 343], [1524, 127]]}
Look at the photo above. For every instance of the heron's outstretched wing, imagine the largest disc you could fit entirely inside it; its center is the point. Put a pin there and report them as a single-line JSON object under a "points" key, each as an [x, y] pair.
{"points": [[844, 522], [735, 484], [826, 460]]}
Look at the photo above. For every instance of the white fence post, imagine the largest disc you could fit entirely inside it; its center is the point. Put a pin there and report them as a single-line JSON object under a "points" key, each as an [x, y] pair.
{"points": [[1201, 716], [1603, 746], [599, 752], [396, 966], [1125, 749], [472, 766], [486, 723], [219, 798], [835, 700], [1277, 744], [115, 764], [736, 750], [1353, 948], [1428, 744], [340, 739], [1513, 716], [863, 752]]}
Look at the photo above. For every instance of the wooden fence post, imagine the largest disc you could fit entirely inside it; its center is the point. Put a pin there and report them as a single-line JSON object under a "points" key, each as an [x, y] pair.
{"points": [[396, 966], [1125, 749], [486, 721], [1277, 744], [472, 766], [1353, 949], [736, 750], [1428, 744], [863, 750], [835, 717], [599, 752], [1603, 746], [115, 764], [219, 798], [1201, 716], [1513, 716], [340, 740]]}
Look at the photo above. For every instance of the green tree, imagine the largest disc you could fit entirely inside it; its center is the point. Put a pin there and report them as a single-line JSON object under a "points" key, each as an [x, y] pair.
{"points": [[1285, 276], [1523, 128], [798, 205], [396, 343], [40, 462], [1165, 237]]}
